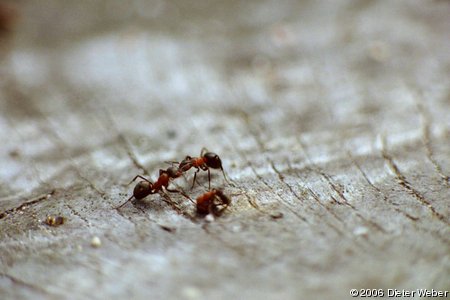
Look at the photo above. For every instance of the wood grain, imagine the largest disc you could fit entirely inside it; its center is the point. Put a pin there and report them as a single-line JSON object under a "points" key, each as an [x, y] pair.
{"points": [[332, 121]]}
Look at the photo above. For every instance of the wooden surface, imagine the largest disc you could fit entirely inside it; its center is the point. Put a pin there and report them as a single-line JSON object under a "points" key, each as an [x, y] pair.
{"points": [[332, 121]]}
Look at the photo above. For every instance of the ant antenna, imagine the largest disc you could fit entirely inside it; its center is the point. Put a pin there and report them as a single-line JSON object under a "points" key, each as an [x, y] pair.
{"points": [[129, 199], [141, 177], [226, 179], [203, 151]]}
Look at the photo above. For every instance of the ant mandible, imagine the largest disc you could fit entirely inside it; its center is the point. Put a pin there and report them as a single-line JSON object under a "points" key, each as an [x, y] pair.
{"points": [[214, 201], [145, 187], [206, 161]]}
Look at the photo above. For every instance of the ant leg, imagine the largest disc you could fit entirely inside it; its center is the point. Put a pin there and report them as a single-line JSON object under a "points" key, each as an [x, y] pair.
{"points": [[141, 177], [209, 179], [180, 192], [211, 209], [129, 199], [195, 177]]}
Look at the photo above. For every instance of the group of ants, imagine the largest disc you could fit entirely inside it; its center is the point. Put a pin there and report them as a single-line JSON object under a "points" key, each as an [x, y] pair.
{"points": [[212, 202]]}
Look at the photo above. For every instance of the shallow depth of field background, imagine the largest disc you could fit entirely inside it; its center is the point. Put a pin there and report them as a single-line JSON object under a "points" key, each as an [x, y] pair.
{"points": [[331, 118]]}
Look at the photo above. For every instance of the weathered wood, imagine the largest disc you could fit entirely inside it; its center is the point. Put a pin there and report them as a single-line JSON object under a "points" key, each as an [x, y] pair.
{"points": [[332, 121]]}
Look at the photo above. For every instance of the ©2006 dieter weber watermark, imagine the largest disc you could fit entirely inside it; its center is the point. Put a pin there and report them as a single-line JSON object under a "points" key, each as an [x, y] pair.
{"points": [[396, 293]]}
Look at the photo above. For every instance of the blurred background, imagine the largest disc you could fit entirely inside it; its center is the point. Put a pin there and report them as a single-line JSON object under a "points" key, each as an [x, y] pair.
{"points": [[189, 69], [291, 94]]}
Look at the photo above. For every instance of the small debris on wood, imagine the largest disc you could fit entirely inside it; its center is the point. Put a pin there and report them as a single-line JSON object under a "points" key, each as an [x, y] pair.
{"points": [[277, 215], [361, 230], [96, 242], [54, 220], [171, 133], [191, 293], [167, 228], [14, 153]]}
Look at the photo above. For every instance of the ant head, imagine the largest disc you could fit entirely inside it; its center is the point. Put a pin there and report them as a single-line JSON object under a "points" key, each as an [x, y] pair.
{"points": [[224, 198], [213, 160], [220, 202], [142, 189]]}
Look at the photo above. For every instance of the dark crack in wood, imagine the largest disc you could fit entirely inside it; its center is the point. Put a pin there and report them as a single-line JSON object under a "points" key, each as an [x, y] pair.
{"points": [[383, 196], [28, 203], [426, 139], [401, 180], [337, 190]]}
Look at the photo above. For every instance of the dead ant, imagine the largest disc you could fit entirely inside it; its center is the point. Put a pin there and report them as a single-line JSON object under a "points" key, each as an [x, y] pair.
{"points": [[214, 202], [145, 187], [54, 221], [206, 161]]}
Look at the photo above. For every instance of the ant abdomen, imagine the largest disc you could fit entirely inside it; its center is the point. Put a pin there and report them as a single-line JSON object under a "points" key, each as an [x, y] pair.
{"points": [[142, 189]]}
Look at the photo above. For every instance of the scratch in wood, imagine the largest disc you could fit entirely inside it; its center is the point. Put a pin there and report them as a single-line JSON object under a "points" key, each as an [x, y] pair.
{"points": [[370, 222], [426, 139], [145, 213], [281, 178], [129, 219], [407, 186], [315, 196], [334, 187], [25, 284], [237, 249], [251, 201], [281, 200], [175, 207], [76, 213], [89, 182], [28, 203], [384, 197], [317, 199], [59, 141], [328, 179], [253, 132], [430, 155], [205, 228], [122, 140], [29, 161], [131, 154], [261, 146]]}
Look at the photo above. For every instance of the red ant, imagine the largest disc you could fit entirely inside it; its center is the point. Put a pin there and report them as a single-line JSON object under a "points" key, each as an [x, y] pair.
{"points": [[206, 161], [214, 201], [146, 187]]}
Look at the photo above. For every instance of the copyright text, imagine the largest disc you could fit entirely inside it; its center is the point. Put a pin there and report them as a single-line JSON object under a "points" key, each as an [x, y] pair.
{"points": [[396, 293]]}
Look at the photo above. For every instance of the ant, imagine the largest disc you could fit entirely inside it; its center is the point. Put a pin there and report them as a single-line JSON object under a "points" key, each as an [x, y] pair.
{"points": [[214, 201], [145, 187], [206, 161]]}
